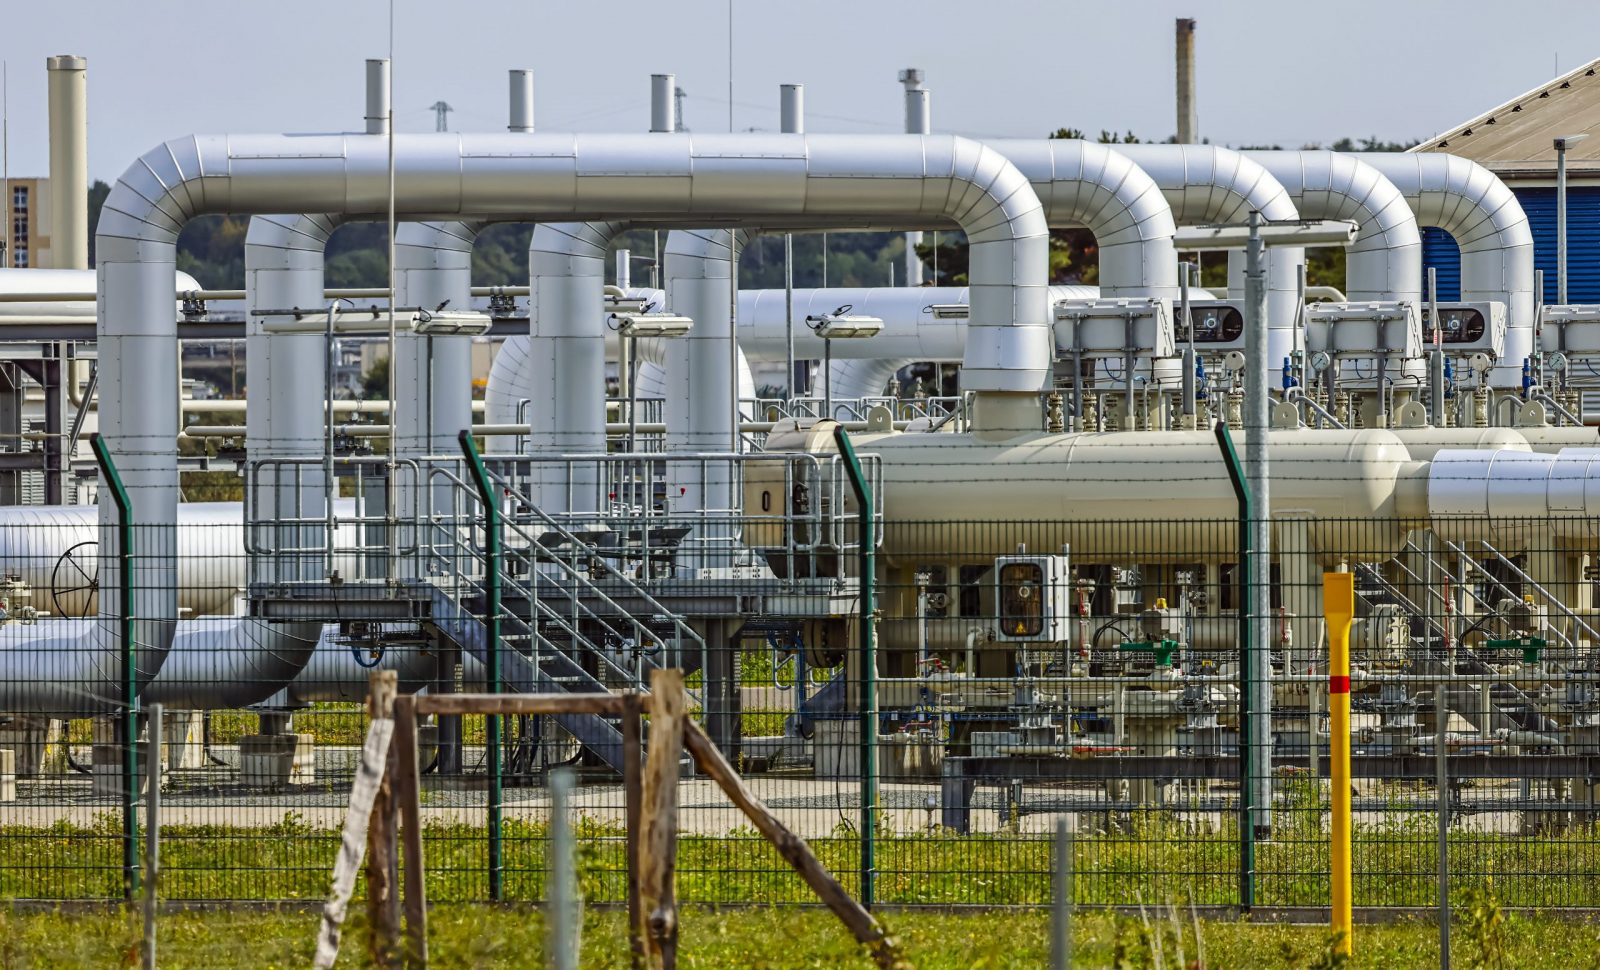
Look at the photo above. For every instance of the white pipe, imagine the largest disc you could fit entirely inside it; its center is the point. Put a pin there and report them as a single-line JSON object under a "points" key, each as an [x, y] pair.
{"points": [[1384, 262], [780, 180], [433, 374], [520, 117], [567, 390], [69, 162], [1210, 185], [792, 109], [919, 121], [1515, 498], [1103, 190], [1474, 206], [377, 96], [1080, 183], [64, 295], [283, 260], [663, 108]]}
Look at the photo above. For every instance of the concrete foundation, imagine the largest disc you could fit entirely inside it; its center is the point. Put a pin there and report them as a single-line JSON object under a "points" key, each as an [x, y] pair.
{"points": [[36, 742], [274, 761]]}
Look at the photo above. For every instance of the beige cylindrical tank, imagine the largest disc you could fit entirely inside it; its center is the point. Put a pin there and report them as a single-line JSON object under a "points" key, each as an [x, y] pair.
{"points": [[1424, 443], [1118, 496], [1549, 440]]}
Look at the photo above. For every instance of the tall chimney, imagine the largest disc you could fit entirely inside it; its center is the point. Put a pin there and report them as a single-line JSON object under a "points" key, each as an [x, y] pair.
{"points": [[919, 121], [521, 116], [663, 102], [377, 96], [1188, 119], [69, 162], [792, 109]]}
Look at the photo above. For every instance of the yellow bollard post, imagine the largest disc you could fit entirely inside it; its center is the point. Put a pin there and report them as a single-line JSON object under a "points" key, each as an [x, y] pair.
{"points": [[1338, 607]]}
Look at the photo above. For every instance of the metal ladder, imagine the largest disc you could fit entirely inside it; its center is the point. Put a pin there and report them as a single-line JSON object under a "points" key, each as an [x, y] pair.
{"points": [[562, 626]]}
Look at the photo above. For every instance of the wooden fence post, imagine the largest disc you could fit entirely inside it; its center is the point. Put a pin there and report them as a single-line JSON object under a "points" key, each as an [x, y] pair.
{"points": [[658, 843], [856, 917], [383, 860], [632, 789], [408, 795]]}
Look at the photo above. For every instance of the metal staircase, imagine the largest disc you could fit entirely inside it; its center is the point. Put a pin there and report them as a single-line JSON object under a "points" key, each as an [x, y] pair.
{"points": [[570, 620]]}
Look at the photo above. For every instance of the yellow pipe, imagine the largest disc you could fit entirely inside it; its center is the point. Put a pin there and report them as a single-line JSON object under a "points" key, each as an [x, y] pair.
{"points": [[1338, 607]]}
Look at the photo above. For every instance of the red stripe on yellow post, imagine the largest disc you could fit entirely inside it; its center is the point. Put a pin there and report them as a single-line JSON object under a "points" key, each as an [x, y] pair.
{"points": [[1339, 607]]}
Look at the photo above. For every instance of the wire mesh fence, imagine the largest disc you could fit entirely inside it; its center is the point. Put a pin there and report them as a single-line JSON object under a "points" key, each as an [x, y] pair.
{"points": [[1023, 671]]}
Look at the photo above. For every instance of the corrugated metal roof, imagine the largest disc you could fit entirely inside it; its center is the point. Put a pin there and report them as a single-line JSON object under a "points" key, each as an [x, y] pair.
{"points": [[1517, 138]]}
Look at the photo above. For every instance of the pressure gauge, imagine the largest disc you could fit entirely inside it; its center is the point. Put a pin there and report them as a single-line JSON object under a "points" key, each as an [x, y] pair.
{"points": [[1557, 361], [1320, 361]]}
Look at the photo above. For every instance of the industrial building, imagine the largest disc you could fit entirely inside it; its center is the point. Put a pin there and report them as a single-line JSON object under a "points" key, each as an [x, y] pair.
{"points": [[1516, 141]]}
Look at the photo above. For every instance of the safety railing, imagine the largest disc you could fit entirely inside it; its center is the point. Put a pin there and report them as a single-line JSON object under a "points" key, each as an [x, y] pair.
{"points": [[354, 534]]}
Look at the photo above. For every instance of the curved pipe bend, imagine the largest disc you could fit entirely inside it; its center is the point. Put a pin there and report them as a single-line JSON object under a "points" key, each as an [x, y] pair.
{"points": [[1384, 261], [1475, 207]]}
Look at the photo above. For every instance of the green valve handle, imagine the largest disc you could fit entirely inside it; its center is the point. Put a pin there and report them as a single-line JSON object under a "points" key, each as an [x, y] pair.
{"points": [[1163, 649], [1530, 647]]}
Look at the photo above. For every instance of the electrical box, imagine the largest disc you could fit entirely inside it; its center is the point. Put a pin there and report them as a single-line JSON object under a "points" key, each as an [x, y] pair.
{"points": [[1216, 326], [1570, 329], [1108, 328], [1378, 329], [1465, 327], [1033, 598]]}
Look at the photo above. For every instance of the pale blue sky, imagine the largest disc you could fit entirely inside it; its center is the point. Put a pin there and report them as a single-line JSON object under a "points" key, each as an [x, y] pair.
{"points": [[1270, 71]]}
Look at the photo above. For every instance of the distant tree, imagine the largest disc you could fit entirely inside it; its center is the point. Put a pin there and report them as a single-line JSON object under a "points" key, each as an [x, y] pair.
{"points": [[375, 380]]}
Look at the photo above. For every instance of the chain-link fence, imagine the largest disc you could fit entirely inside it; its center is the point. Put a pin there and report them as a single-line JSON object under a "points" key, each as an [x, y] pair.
{"points": [[1022, 670]]}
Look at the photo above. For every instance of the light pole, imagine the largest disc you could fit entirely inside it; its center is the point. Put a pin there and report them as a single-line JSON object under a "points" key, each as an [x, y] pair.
{"points": [[839, 324], [1255, 236], [1562, 144]]}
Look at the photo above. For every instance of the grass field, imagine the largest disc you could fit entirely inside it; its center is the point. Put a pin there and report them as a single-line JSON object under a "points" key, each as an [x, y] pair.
{"points": [[1395, 866], [486, 937]]}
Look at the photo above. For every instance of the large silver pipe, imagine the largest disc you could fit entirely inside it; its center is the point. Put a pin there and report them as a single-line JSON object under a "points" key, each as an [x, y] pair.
{"points": [[1474, 206], [433, 374], [1207, 184], [780, 180], [1103, 190], [69, 161], [1384, 262], [566, 267], [377, 96], [283, 261], [1081, 183]]}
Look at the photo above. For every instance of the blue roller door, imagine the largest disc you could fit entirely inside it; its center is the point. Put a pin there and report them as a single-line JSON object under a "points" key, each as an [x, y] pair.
{"points": [[1439, 250], [1583, 245]]}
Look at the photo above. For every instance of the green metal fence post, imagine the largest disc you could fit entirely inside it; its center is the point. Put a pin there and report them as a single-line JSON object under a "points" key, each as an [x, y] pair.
{"points": [[869, 665], [491, 622], [1247, 809], [128, 731]]}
